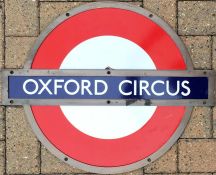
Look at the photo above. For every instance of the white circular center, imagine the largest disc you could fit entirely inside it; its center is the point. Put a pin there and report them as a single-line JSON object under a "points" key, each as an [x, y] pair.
{"points": [[108, 122]]}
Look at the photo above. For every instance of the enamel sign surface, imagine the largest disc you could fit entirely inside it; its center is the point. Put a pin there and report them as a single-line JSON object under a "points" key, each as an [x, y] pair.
{"points": [[108, 87]]}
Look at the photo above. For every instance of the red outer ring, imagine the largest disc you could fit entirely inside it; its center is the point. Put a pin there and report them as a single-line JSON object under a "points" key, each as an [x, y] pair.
{"points": [[148, 35]]}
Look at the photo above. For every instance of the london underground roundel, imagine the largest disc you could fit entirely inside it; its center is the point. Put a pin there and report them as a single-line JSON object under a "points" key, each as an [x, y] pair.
{"points": [[108, 139]]}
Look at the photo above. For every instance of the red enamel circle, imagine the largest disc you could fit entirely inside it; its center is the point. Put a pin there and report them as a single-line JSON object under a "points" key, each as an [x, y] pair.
{"points": [[165, 55]]}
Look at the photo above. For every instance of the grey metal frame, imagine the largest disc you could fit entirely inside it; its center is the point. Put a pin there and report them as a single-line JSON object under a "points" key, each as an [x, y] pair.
{"points": [[133, 166], [103, 102]]}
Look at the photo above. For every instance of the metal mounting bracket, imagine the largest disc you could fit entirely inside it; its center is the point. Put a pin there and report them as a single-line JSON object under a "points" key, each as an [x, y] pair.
{"points": [[6, 74]]}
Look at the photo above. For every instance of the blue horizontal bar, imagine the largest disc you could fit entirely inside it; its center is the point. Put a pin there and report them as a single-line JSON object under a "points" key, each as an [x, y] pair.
{"points": [[107, 87]]}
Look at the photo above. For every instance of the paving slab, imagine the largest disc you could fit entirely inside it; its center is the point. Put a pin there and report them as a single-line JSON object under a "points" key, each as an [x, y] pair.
{"points": [[199, 48], [197, 155], [166, 9], [197, 17], [17, 50], [2, 158], [199, 125], [21, 18], [22, 146]]}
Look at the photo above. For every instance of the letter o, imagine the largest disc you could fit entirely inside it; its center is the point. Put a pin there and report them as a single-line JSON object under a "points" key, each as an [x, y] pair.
{"points": [[66, 87], [30, 81]]}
